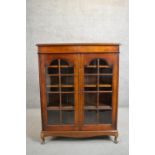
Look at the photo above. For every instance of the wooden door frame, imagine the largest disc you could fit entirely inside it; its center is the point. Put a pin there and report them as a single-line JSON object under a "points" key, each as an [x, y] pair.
{"points": [[44, 60], [112, 59]]}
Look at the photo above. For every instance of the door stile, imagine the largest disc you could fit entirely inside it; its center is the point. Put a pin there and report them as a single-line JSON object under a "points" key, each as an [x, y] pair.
{"points": [[76, 85], [81, 89], [85, 59]]}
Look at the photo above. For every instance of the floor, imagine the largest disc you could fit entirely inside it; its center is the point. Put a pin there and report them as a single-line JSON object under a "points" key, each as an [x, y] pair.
{"points": [[70, 146]]}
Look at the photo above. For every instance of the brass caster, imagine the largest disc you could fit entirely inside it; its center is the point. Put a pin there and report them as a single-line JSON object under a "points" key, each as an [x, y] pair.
{"points": [[115, 139]]}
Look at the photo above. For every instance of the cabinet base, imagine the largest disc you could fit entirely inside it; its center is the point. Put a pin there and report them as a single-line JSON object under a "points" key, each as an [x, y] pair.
{"points": [[79, 134]]}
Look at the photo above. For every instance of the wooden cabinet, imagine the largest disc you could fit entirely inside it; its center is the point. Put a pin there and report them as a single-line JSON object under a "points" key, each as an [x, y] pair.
{"points": [[79, 89]]}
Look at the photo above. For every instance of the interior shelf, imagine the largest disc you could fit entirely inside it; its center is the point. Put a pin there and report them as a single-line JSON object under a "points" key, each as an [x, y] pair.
{"points": [[105, 91], [60, 108], [98, 66], [99, 74], [61, 74], [62, 92], [61, 66], [100, 85], [63, 86], [102, 107]]}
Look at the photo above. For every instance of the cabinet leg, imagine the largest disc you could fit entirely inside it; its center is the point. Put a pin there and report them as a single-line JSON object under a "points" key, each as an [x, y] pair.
{"points": [[116, 139], [42, 138]]}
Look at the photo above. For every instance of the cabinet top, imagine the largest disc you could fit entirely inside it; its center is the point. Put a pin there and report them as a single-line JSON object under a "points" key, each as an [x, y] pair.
{"points": [[79, 44], [78, 48]]}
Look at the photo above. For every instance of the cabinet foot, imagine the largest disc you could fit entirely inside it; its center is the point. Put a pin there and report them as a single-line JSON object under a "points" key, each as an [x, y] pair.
{"points": [[42, 138], [116, 139]]}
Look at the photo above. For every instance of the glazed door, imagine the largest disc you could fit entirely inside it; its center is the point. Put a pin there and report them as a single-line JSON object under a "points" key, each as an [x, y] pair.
{"points": [[98, 87], [61, 92]]}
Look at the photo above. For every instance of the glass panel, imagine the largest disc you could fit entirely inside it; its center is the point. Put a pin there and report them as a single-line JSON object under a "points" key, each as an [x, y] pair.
{"points": [[105, 79], [91, 70], [62, 62], [102, 62], [68, 117], [60, 92], [90, 80], [53, 70], [90, 83], [53, 117], [105, 99], [54, 62], [105, 117], [52, 80], [67, 80], [98, 92], [53, 100], [67, 83], [67, 99], [105, 70], [67, 89], [90, 99], [94, 62], [90, 117], [67, 70]]}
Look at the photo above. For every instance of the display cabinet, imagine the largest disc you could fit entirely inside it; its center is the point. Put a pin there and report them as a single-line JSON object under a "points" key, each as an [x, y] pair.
{"points": [[79, 89]]}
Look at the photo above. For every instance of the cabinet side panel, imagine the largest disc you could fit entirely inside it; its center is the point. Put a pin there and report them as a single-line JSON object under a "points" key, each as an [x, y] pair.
{"points": [[115, 90], [42, 90]]}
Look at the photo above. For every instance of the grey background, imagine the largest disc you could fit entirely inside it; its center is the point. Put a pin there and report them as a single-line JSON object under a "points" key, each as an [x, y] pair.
{"points": [[62, 21]]}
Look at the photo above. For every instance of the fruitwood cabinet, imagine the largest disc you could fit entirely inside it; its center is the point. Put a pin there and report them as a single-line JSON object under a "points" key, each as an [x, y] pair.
{"points": [[79, 89]]}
